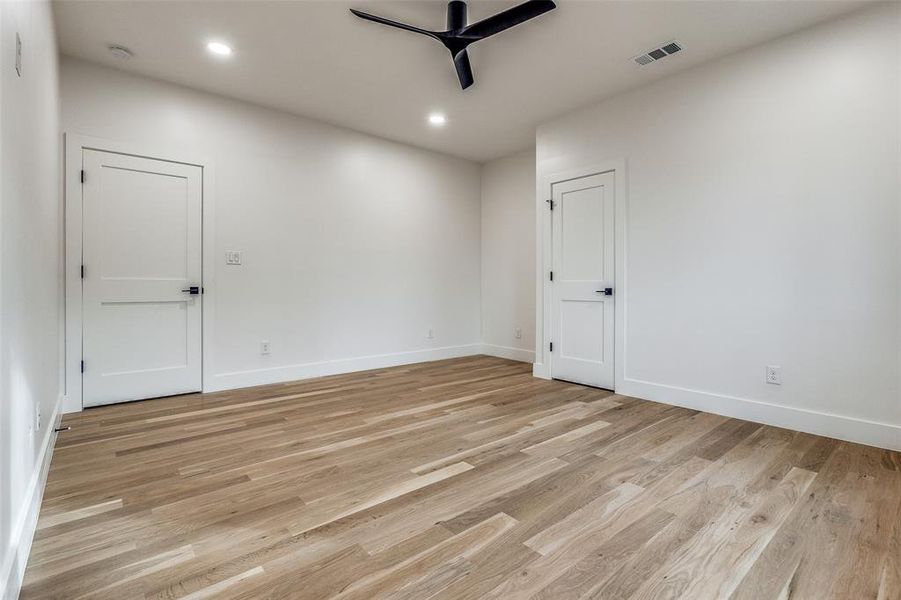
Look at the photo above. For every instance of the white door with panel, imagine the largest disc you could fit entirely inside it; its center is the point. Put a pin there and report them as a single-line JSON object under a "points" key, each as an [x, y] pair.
{"points": [[141, 288], [583, 287]]}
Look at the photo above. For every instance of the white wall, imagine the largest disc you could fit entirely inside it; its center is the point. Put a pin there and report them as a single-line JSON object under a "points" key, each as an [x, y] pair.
{"points": [[30, 284], [508, 256], [762, 228], [354, 247]]}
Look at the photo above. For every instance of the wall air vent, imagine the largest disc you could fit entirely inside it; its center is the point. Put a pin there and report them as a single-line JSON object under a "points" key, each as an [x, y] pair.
{"points": [[657, 53]]}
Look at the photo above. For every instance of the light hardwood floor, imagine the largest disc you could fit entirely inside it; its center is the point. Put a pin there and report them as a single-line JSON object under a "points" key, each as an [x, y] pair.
{"points": [[460, 479]]}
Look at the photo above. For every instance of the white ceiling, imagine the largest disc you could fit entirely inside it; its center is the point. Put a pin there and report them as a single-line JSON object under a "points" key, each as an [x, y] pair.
{"points": [[316, 59]]}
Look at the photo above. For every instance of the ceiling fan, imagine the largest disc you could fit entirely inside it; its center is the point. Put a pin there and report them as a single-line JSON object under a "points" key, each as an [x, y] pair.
{"points": [[459, 35]]}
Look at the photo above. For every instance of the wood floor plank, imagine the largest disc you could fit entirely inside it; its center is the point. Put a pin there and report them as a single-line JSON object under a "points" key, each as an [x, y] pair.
{"points": [[461, 479]]}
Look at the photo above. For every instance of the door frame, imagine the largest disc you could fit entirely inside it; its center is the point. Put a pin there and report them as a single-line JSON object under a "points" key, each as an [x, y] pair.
{"points": [[74, 144], [544, 261]]}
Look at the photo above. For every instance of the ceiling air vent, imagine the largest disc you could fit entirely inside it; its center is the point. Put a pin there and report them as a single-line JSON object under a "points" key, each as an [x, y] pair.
{"points": [[658, 53]]}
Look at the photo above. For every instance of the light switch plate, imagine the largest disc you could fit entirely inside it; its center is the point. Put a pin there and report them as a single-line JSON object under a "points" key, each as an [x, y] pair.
{"points": [[18, 55], [233, 257]]}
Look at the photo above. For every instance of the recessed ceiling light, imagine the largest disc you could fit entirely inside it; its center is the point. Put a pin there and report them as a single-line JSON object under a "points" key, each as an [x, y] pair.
{"points": [[437, 119], [120, 52], [219, 48]]}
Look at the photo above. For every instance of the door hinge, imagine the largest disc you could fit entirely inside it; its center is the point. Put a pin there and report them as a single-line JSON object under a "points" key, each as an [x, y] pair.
{"points": [[82, 175], [82, 271], [82, 366], [550, 203], [552, 346], [552, 275]]}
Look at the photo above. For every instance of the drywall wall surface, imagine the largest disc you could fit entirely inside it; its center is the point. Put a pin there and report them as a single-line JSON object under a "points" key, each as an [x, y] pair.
{"points": [[30, 274], [508, 256], [354, 247], [762, 228]]}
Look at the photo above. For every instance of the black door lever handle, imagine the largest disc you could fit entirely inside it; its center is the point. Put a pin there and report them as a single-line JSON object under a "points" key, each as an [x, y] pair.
{"points": [[193, 290], [605, 291]]}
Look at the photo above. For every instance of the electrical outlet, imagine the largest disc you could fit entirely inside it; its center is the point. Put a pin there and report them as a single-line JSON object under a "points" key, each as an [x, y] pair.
{"points": [[265, 347], [37, 418], [431, 335], [774, 374], [518, 333], [233, 257]]}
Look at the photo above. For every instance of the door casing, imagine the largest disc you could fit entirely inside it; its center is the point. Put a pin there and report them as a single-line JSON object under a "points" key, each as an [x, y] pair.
{"points": [[74, 145], [544, 261]]}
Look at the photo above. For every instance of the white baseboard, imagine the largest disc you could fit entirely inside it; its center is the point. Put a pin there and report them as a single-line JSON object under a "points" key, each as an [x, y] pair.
{"points": [[851, 429], [871, 433], [508, 352], [241, 379], [13, 569]]}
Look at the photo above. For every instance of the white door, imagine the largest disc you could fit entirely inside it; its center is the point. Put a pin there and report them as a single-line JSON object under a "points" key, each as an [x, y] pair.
{"points": [[583, 288], [141, 252]]}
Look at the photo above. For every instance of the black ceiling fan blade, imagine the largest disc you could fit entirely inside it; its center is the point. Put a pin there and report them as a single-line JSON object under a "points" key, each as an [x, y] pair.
{"points": [[508, 18], [391, 23], [464, 69]]}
